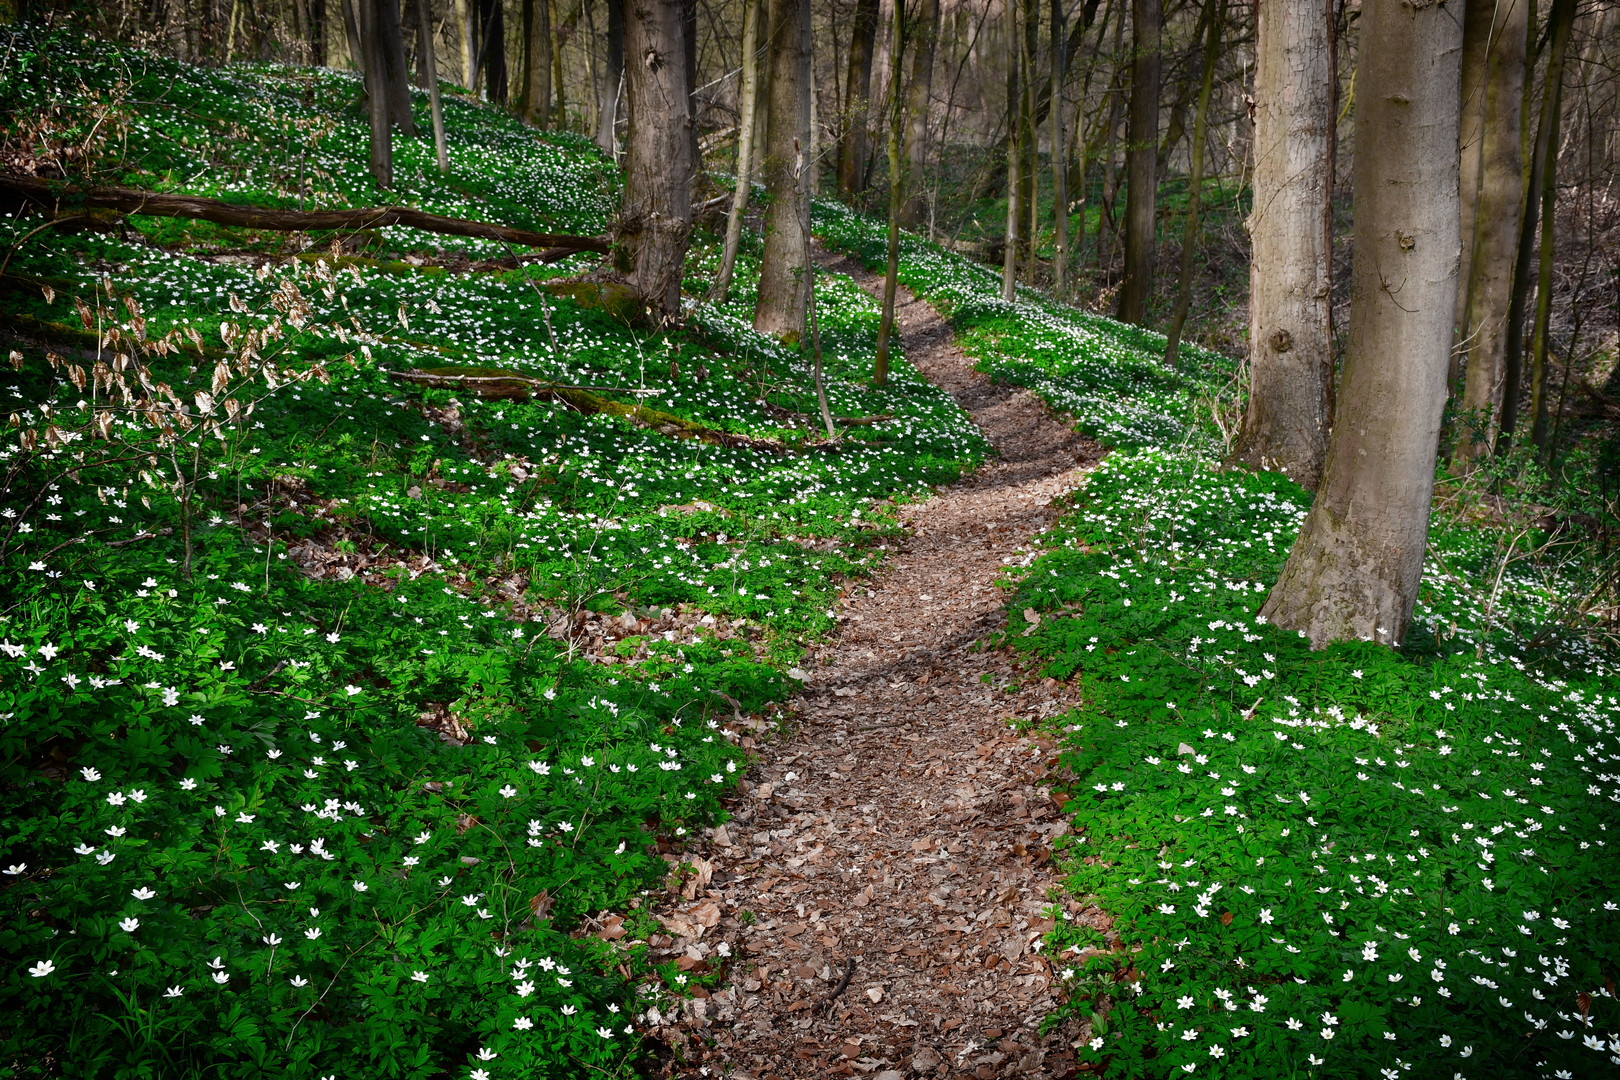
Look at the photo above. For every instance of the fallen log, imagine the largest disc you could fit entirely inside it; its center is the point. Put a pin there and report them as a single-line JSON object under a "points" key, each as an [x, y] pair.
{"points": [[501, 384], [52, 197]]}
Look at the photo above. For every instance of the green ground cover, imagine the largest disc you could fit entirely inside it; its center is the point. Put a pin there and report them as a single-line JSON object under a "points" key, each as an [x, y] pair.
{"points": [[334, 706], [1354, 862]]}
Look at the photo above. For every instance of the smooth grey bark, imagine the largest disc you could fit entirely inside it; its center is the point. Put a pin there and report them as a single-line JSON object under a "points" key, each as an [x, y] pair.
{"points": [[655, 220], [782, 280], [1285, 424], [612, 84], [360, 19], [1354, 570], [745, 149], [919, 94], [1141, 161], [1015, 157], [1498, 204], [857, 100]]}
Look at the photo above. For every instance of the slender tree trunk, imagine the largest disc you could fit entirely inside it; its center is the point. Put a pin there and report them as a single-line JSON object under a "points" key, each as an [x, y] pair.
{"points": [[1215, 11], [607, 104], [1015, 158], [534, 105], [891, 274], [363, 17], [655, 222], [1481, 24], [781, 307], [492, 50], [1141, 162], [559, 88], [351, 36], [1354, 571], [1552, 95], [915, 209], [1560, 19], [431, 71], [857, 97], [700, 177], [1060, 160], [1496, 219], [1285, 426], [1110, 180], [467, 16], [745, 149], [391, 42], [1029, 138]]}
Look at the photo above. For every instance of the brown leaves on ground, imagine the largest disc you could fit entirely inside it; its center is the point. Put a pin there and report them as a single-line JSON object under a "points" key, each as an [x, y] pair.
{"points": [[901, 822]]}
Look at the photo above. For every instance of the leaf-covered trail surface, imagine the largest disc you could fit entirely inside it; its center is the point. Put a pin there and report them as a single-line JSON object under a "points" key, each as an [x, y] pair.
{"points": [[901, 822]]}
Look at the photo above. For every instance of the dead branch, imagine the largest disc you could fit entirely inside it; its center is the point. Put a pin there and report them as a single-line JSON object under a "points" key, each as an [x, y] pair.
{"points": [[52, 198]]}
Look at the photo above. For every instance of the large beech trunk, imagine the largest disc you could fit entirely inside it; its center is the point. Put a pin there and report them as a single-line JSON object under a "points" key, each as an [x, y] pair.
{"points": [[1495, 217], [534, 104], [782, 276], [1354, 571], [857, 97], [1141, 162], [391, 42], [655, 220], [1285, 426]]}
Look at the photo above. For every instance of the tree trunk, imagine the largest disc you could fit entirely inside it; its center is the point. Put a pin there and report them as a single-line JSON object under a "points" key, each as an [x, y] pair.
{"points": [[430, 69], [1354, 571], [1110, 135], [1482, 23], [1060, 160], [700, 178], [1285, 426], [920, 92], [1141, 162], [1015, 157], [857, 96], [745, 149], [781, 307], [1029, 138], [364, 19], [391, 39], [1495, 218], [1552, 96], [1215, 17], [891, 273], [655, 222], [492, 49], [534, 105], [1560, 19], [607, 104]]}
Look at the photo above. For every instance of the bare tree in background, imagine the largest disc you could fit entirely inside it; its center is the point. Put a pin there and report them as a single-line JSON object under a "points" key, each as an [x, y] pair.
{"points": [[1492, 193], [857, 98], [920, 92], [1142, 162], [782, 273], [1354, 570], [749, 103], [534, 102], [655, 220], [611, 87]]}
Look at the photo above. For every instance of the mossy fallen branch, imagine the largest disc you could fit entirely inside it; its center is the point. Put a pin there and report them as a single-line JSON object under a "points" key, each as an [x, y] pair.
{"points": [[502, 384], [55, 198]]}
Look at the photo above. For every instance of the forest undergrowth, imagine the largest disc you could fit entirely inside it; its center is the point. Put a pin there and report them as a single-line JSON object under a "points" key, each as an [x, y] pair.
{"points": [[1359, 861], [348, 720]]}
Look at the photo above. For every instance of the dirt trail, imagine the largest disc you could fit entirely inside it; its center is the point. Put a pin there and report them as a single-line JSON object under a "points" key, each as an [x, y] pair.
{"points": [[901, 824]]}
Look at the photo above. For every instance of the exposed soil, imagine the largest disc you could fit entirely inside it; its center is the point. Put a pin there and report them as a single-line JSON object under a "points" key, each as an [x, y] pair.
{"points": [[900, 823]]}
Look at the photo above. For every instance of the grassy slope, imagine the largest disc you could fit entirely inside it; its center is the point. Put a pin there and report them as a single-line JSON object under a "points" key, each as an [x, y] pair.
{"points": [[1355, 862], [258, 744]]}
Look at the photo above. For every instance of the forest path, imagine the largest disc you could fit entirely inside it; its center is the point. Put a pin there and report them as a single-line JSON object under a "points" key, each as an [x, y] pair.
{"points": [[900, 822]]}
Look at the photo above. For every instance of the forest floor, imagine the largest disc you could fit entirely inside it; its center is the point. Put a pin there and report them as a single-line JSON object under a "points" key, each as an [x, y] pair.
{"points": [[899, 824]]}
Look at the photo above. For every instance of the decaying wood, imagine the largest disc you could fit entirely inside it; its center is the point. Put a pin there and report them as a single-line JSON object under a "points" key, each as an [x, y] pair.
{"points": [[494, 383], [52, 198]]}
